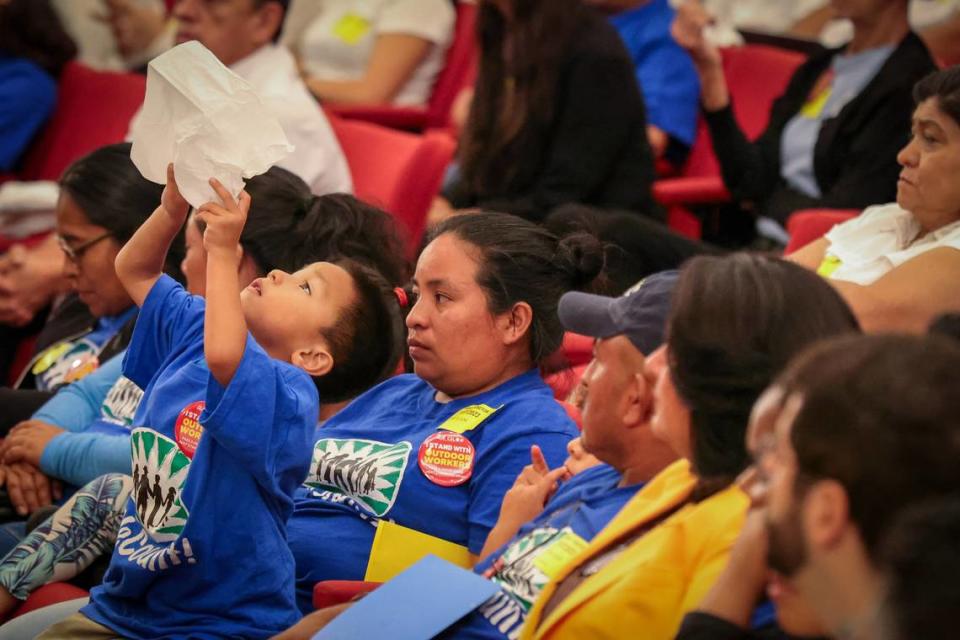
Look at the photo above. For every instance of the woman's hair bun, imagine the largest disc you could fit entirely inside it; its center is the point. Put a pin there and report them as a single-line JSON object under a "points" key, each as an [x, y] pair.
{"points": [[580, 255]]}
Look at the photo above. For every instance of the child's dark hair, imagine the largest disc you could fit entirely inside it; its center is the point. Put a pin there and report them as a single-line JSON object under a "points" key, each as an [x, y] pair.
{"points": [[368, 338], [288, 227], [112, 194]]}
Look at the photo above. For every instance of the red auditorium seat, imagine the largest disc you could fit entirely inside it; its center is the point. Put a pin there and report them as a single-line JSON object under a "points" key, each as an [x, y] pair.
{"points": [[756, 75], [396, 170], [458, 73], [94, 108], [332, 592], [49, 594], [811, 224]]}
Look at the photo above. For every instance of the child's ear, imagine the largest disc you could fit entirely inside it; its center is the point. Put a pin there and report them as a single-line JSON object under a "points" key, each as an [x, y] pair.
{"points": [[316, 360]]}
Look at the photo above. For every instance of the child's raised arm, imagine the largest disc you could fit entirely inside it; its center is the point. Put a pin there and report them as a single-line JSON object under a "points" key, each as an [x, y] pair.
{"points": [[140, 262], [225, 328]]}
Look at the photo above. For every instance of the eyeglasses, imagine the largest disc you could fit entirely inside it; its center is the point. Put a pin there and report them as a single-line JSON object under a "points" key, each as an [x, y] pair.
{"points": [[75, 253]]}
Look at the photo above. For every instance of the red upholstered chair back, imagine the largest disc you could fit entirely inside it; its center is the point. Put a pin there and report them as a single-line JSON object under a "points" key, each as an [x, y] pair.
{"points": [[94, 108], [459, 71], [756, 75], [398, 171], [812, 224]]}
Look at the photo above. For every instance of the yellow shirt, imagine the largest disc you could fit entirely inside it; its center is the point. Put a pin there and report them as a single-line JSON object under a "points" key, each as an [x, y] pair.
{"points": [[646, 590]]}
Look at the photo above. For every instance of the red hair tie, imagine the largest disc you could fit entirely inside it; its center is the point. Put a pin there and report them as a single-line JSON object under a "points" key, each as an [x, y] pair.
{"points": [[401, 297]]}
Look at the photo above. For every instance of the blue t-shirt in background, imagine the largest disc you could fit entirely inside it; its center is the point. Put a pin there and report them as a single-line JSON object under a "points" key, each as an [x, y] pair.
{"points": [[201, 551], [97, 413], [667, 77], [580, 509], [366, 467], [28, 95]]}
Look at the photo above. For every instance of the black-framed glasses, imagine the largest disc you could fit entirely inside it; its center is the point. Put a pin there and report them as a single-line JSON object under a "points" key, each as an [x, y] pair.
{"points": [[75, 253]]}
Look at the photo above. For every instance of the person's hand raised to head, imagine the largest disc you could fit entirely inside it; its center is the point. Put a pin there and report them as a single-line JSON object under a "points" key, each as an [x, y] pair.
{"points": [[224, 221], [688, 30]]}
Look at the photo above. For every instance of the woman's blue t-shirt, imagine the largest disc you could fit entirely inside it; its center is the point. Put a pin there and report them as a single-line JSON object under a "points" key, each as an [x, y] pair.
{"points": [[366, 467], [579, 510], [202, 551]]}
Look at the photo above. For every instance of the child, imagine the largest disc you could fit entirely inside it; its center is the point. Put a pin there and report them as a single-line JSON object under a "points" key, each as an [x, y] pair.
{"points": [[223, 438]]}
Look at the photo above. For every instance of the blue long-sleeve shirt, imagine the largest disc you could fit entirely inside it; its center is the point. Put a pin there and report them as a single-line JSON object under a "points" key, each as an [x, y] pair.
{"points": [[95, 412]]}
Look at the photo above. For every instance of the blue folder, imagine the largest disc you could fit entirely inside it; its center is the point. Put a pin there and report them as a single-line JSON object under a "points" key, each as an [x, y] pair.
{"points": [[417, 604]]}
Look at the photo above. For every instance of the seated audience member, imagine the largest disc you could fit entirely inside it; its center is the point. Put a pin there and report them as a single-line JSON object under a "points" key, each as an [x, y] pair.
{"points": [[897, 265], [33, 50], [487, 287], [668, 80], [618, 440], [84, 431], [556, 116], [243, 35], [834, 134], [659, 555], [285, 226], [921, 559], [102, 201], [115, 35], [842, 416], [255, 393], [382, 52]]}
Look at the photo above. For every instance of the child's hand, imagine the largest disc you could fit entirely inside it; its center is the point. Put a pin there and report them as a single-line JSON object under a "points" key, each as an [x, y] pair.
{"points": [[224, 222], [171, 200]]}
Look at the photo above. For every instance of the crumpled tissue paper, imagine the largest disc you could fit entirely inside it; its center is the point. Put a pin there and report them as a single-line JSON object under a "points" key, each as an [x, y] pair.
{"points": [[207, 121]]}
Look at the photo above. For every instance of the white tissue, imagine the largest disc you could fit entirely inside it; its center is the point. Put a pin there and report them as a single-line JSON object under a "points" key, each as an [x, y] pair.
{"points": [[207, 121]]}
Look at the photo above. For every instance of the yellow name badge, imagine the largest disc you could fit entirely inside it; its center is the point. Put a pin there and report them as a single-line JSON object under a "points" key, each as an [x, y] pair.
{"points": [[558, 553], [50, 357], [828, 266], [813, 108], [351, 28], [468, 418]]}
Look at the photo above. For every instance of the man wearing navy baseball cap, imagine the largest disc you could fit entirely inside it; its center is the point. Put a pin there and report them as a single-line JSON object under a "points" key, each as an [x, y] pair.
{"points": [[614, 394]]}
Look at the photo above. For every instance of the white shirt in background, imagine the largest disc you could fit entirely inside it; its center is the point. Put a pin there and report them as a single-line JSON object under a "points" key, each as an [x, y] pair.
{"points": [[337, 42], [923, 14], [881, 238]]}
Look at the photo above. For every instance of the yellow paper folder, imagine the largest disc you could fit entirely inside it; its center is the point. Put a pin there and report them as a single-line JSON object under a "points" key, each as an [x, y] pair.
{"points": [[396, 547]]}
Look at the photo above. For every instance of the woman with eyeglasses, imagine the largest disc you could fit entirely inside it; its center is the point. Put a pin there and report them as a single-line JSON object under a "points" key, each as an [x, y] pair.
{"points": [[103, 200]]}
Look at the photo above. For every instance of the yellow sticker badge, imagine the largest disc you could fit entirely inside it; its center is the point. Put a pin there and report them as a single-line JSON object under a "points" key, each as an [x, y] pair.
{"points": [[468, 418], [818, 97], [828, 266], [351, 28], [50, 357], [558, 553]]}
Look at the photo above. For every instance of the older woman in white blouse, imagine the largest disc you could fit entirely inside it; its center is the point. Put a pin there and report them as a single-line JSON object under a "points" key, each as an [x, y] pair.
{"points": [[898, 265]]}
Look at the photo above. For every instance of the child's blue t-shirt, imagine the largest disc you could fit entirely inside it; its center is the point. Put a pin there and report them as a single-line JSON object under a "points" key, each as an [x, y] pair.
{"points": [[201, 551], [381, 458], [522, 567]]}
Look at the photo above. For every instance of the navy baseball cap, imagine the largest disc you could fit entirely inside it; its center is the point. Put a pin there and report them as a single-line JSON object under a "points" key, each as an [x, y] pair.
{"points": [[640, 314]]}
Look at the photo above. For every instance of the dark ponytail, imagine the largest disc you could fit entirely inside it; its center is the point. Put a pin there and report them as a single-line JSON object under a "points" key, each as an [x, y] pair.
{"points": [[523, 262], [288, 227]]}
